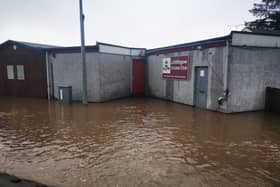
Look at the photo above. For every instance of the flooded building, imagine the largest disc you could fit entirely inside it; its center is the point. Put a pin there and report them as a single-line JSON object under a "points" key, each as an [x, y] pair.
{"points": [[227, 74], [23, 69], [110, 71]]}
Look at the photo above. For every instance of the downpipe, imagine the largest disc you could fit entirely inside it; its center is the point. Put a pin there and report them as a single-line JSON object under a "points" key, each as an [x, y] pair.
{"points": [[225, 94], [223, 98]]}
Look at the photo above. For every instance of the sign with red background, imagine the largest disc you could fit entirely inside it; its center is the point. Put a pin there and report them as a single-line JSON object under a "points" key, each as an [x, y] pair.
{"points": [[175, 68]]}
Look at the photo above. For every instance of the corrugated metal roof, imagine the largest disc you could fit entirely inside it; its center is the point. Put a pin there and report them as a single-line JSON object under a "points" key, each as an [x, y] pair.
{"points": [[29, 44], [34, 45]]}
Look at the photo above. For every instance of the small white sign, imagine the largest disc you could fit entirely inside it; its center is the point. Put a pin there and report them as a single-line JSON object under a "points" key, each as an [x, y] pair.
{"points": [[61, 94], [202, 73], [166, 65]]}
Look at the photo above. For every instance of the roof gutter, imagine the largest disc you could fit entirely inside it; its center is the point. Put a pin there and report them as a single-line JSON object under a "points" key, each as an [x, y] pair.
{"points": [[215, 42]]}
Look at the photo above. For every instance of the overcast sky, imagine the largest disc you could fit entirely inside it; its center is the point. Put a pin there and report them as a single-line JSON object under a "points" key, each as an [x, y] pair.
{"points": [[136, 23]]}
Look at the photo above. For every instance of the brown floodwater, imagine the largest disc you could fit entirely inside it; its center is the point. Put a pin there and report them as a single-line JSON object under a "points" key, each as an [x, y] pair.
{"points": [[137, 142]]}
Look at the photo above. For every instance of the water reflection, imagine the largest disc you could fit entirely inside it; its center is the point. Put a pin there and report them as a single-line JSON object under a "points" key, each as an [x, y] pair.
{"points": [[137, 142]]}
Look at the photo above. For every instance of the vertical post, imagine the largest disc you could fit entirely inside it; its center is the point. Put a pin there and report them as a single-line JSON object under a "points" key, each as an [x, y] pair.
{"points": [[48, 74], [83, 54]]}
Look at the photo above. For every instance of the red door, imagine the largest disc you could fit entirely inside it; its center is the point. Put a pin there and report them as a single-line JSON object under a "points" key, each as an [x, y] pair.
{"points": [[138, 76]]}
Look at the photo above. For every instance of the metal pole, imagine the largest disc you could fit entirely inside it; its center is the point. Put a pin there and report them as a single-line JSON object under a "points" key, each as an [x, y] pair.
{"points": [[83, 53], [48, 75]]}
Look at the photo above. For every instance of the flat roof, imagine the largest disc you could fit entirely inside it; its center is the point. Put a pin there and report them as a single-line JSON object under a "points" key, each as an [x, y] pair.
{"points": [[213, 42], [113, 45], [89, 48], [189, 45], [71, 49], [275, 33], [29, 44]]}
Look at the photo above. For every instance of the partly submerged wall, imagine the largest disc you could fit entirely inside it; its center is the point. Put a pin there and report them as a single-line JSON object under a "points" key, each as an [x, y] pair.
{"points": [[115, 76], [242, 63], [108, 75], [182, 91], [251, 70]]}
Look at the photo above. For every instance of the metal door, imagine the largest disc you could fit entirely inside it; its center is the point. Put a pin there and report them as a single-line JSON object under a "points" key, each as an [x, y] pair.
{"points": [[138, 76], [201, 86]]}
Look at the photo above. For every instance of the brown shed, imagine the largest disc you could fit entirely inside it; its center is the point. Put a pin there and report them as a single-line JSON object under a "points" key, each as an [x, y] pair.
{"points": [[23, 69]]}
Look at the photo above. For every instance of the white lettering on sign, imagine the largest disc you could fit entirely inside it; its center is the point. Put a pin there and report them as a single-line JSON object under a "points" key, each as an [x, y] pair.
{"points": [[179, 62], [179, 68], [166, 65], [202, 73]]}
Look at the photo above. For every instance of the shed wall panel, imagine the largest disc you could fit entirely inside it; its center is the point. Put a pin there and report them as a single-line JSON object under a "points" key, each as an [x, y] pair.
{"points": [[33, 60], [251, 70], [241, 39], [182, 91], [108, 75]]}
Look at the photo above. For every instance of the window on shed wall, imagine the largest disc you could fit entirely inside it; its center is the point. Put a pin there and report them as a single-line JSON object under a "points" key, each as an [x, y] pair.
{"points": [[10, 72], [20, 72]]}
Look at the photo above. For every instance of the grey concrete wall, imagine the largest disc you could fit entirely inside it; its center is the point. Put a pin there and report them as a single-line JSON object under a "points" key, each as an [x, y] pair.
{"points": [[108, 76], [115, 76], [251, 70], [182, 91], [67, 71]]}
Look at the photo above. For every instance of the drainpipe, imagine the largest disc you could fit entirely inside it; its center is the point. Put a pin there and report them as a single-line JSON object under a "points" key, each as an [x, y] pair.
{"points": [[224, 97], [226, 70], [48, 75]]}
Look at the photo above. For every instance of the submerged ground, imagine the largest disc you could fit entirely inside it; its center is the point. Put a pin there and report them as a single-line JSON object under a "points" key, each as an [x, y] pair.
{"points": [[137, 142]]}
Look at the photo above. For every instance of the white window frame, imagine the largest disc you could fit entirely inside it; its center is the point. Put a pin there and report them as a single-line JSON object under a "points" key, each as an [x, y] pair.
{"points": [[20, 72], [10, 72]]}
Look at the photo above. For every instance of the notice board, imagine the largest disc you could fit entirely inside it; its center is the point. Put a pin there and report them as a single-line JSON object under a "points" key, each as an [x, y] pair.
{"points": [[175, 68]]}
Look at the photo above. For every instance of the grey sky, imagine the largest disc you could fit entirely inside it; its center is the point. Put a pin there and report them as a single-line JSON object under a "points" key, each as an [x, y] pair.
{"points": [[137, 23]]}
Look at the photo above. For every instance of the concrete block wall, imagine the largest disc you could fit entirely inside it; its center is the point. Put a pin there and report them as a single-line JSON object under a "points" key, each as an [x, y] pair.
{"points": [[251, 70], [108, 75], [67, 71], [115, 76], [182, 91]]}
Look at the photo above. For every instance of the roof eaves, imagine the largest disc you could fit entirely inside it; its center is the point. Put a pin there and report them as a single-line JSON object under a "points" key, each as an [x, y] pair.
{"points": [[189, 45], [257, 33], [32, 45], [71, 49]]}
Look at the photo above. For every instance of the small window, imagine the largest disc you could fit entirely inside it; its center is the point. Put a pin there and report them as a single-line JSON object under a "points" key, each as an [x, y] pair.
{"points": [[10, 72], [20, 72]]}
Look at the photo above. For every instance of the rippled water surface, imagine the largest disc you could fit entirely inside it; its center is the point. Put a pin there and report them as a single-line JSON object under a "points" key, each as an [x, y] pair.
{"points": [[137, 142]]}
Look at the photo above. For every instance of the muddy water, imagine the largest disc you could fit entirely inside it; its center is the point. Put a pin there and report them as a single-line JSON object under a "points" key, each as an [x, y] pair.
{"points": [[137, 142]]}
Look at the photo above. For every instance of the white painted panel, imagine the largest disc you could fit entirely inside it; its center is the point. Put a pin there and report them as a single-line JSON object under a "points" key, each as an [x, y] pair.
{"points": [[137, 52], [120, 50], [243, 39], [113, 50]]}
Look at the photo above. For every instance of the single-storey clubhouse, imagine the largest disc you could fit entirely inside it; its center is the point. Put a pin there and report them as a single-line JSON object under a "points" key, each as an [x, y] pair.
{"points": [[227, 74], [23, 69]]}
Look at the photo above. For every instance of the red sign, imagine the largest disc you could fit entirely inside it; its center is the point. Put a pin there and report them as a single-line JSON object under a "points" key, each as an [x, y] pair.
{"points": [[175, 68]]}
